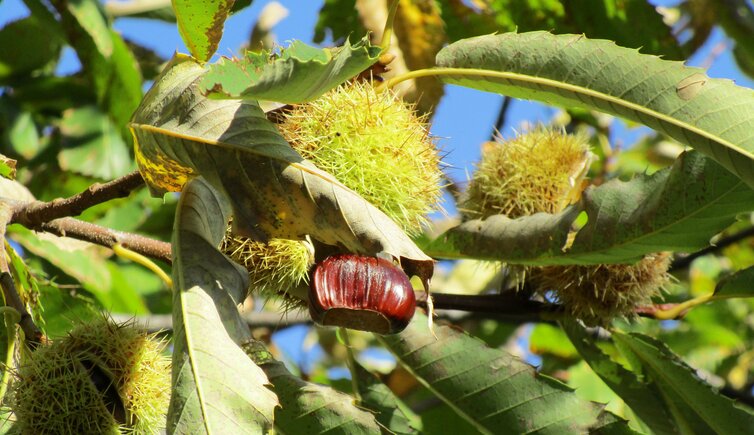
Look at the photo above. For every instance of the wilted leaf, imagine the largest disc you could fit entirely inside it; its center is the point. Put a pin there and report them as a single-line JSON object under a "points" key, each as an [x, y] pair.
{"points": [[695, 406], [679, 208], [715, 116], [308, 408], [273, 190], [298, 74], [201, 24], [92, 145], [216, 387], [489, 388]]}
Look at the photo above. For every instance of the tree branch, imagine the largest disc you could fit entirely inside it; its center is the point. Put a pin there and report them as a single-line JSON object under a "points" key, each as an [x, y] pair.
{"points": [[32, 214], [70, 227], [506, 306]]}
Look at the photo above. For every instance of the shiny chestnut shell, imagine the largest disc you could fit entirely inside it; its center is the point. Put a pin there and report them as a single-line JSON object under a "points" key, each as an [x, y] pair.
{"points": [[365, 293]]}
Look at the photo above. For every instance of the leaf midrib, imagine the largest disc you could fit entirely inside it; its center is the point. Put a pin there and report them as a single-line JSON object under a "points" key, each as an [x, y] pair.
{"points": [[580, 90]]}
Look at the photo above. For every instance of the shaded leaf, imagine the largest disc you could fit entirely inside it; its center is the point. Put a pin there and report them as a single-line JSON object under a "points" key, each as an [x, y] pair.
{"points": [[216, 388], [642, 395], [28, 45], [737, 18], [630, 24], [273, 190], [490, 388], [200, 24], [19, 131], [679, 208], [341, 18], [695, 406], [109, 64], [389, 410], [298, 74], [309, 408], [72, 91], [712, 115], [737, 285], [80, 260], [92, 145]]}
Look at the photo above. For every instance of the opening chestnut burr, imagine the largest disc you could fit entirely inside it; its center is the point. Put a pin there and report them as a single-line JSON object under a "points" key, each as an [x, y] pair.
{"points": [[360, 292]]}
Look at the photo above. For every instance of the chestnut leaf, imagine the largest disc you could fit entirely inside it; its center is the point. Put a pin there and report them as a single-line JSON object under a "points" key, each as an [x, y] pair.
{"points": [[274, 192]]}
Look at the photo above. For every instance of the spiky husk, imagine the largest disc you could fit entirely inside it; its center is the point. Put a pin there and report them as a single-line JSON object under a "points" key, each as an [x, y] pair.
{"points": [[276, 267], [59, 389], [374, 144], [371, 142], [538, 171], [598, 293]]}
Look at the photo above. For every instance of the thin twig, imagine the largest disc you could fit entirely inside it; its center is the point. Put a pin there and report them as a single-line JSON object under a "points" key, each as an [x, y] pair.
{"points": [[684, 262], [503, 306], [70, 227], [32, 214], [502, 116], [263, 319]]}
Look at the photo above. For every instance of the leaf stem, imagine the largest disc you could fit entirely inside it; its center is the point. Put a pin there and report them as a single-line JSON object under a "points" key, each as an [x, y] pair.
{"points": [[128, 254], [387, 34], [680, 309], [32, 214], [351, 361]]}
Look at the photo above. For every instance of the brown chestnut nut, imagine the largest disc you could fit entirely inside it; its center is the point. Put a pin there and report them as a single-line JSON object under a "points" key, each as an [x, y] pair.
{"points": [[358, 292]]}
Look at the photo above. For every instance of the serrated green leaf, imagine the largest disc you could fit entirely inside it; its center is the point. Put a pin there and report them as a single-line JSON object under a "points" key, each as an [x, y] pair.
{"points": [[92, 145], [300, 73], [641, 395], [389, 410], [695, 406], [274, 192], [610, 424], [490, 388], [200, 24], [712, 115], [28, 45], [308, 408], [679, 208], [216, 387], [737, 285]]}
